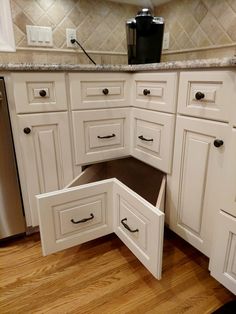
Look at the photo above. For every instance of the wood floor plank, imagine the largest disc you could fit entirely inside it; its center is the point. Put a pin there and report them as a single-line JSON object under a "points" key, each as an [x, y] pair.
{"points": [[103, 276]]}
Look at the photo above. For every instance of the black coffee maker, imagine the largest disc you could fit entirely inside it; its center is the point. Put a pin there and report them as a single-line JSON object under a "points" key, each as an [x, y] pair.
{"points": [[144, 38]]}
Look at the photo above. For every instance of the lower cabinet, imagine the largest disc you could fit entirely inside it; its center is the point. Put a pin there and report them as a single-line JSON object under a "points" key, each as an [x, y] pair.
{"points": [[223, 255], [114, 196], [195, 184], [46, 153]]}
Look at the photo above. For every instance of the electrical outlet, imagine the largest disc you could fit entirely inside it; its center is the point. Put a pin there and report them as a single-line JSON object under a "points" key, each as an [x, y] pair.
{"points": [[166, 41], [70, 34]]}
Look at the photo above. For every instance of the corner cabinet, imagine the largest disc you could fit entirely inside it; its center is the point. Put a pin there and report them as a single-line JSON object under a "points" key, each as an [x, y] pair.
{"points": [[104, 199]]}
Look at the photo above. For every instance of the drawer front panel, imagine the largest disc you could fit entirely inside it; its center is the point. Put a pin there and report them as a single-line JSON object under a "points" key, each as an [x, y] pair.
{"points": [[39, 92], [207, 95], [80, 216], [140, 226], [152, 138], [88, 204], [107, 90], [100, 135], [155, 91]]}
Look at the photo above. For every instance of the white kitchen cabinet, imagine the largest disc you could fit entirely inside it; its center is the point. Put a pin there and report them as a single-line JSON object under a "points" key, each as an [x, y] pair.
{"points": [[99, 90], [39, 92], [46, 153], [195, 185], [228, 194], [105, 198], [223, 255], [207, 94], [155, 91], [152, 137], [101, 134]]}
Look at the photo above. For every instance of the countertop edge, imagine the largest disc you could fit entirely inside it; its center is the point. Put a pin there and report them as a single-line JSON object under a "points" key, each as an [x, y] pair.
{"points": [[171, 65]]}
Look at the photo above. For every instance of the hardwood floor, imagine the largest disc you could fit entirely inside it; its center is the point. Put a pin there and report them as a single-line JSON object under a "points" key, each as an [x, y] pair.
{"points": [[103, 276]]}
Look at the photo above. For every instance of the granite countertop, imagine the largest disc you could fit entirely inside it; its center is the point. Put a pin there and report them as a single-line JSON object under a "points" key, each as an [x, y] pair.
{"points": [[171, 65]]}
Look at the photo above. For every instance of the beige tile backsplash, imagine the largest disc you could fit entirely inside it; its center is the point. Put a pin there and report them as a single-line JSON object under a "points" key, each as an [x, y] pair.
{"points": [[198, 29]]}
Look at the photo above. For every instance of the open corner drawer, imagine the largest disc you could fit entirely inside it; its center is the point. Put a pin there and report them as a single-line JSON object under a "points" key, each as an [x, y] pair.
{"points": [[124, 196]]}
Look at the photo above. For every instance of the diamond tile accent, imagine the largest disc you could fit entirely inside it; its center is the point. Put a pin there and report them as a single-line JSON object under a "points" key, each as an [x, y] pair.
{"points": [[100, 24], [199, 23]]}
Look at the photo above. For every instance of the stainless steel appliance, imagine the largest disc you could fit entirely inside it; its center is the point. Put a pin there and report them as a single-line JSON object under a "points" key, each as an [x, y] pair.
{"points": [[144, 38], [12, 220]]}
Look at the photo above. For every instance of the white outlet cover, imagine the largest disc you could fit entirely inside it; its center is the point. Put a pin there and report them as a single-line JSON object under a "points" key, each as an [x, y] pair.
{"points": [[166, 41], [70, 34], [39, 36]]}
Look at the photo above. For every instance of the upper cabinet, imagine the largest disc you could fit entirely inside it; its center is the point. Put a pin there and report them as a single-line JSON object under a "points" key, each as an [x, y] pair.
{"points": [[155, 91], [208, 95], [7, 42], [39, 92], [99, 90]]}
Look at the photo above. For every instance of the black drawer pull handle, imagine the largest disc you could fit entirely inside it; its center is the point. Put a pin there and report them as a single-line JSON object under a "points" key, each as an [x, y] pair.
{"points": [[105, 91], [42, 93], [218, 143], [82, 220], [145, 139], [27, 130], [146, 92], [127, 227], [106, 136], [199, 95]]}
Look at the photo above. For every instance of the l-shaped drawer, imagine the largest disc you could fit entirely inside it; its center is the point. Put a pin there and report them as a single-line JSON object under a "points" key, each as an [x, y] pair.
{"points": [[123, 196]]}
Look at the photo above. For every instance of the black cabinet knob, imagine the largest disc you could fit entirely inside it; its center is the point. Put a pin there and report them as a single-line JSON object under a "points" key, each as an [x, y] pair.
{"points": [[199, 95], [105, 91], [218, 143], [42, 93], [27, 130], [146, 92]]}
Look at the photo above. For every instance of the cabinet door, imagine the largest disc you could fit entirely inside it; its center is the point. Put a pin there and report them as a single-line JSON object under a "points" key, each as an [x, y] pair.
{"points": [[75, 215], [223, 255], [140, 226], [228, 199], [46, 151], [196, 180]]}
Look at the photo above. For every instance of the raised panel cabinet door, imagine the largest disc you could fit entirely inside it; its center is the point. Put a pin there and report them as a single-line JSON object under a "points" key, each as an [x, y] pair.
{"points": [[228, 199], [46, 152], [75, 215], [140, 226], [195, 185], [223, 255]]}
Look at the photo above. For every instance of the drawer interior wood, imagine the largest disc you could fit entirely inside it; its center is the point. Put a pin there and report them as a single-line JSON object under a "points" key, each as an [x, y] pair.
{"points": [[139, 177]]}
